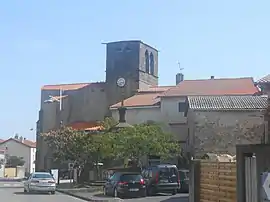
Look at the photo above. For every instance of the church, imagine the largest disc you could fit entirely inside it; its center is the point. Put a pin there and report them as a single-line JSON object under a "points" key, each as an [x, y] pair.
{"points": [[82, 105]]}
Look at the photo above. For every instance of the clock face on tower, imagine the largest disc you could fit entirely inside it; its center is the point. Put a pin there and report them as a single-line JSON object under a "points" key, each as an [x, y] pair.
{"points": [[121, 82]]}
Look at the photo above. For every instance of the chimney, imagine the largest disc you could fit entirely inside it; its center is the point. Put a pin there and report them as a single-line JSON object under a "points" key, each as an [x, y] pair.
{"points": [[212, 77], [179, 78], [21, 139]]}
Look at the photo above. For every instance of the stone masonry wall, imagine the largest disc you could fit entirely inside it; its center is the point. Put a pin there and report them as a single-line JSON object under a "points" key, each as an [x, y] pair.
{"points": [[219, 132]]}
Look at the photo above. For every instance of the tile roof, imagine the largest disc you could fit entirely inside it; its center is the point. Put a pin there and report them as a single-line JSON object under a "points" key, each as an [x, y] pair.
{"points": [[227, 86], [139, 100], [155, 89], [144, 97], [27, 143], [86, 126], [227, 102], [265, 79], [74, 86]]}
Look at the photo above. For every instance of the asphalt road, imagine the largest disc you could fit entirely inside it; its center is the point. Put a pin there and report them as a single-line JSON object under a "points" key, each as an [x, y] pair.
{"points": [[157, 198], [12, 192], [17, 195]]}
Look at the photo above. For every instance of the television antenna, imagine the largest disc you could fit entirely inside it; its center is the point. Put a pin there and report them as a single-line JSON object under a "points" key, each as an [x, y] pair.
{"points": [[179, 66]]}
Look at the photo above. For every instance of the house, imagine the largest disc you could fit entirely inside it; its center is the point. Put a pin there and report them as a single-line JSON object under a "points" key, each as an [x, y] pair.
{"points": [[264, 84], [21, 147], [169, 105], [67, 104], [218, 123]]}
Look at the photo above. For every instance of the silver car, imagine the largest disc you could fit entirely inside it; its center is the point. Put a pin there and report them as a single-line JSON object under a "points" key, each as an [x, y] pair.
{"points": [[40, 182]]}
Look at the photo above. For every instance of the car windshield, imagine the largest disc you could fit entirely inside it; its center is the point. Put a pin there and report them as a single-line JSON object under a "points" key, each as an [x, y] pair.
{"points": [[42, 175], [130, 177]]}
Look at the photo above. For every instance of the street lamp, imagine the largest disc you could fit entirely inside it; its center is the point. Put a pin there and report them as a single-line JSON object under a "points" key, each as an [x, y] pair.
{"points": [[121, 82]]}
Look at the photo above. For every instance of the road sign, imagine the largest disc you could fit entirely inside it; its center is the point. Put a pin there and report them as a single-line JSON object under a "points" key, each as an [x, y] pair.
{"points": [[266, 184]]}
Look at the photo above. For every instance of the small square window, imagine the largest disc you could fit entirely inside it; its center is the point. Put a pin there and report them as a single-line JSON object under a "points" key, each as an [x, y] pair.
{"points": [[182, 107]]}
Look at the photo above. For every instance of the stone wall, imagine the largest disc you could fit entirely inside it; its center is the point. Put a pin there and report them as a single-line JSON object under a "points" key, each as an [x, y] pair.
{"points": [[219, 132]]}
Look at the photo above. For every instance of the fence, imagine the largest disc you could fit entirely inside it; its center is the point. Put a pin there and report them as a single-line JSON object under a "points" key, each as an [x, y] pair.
{"points": [[213, 181]]}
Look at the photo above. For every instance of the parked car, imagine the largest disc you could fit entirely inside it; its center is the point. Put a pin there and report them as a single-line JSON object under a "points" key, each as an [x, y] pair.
{"points": [[184, 181], [40, 182], [161, 178], [122, 184]]}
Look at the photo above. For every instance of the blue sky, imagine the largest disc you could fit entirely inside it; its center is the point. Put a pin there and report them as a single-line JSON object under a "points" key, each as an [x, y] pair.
{"points": [[51, 42]]}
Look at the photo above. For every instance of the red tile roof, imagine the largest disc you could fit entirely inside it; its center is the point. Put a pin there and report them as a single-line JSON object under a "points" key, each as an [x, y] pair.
{"points": [[144, 97], [139, 100], [73, 86], [155, 89], [27, 143], [85, 126], [227, 86], [265, 79]]}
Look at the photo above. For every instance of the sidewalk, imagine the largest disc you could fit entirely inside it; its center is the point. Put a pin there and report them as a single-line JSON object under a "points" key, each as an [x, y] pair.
{"points": [[86, 193]]}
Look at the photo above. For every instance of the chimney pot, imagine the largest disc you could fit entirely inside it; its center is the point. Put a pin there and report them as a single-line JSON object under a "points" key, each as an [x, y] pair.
{"points": [[212, 77]]}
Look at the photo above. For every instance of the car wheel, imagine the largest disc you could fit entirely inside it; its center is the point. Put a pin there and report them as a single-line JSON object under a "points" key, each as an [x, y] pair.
{"points": [[53, 192], [105, 191], [144, 194], [115, 193], [150, 191], [24, 190], [174, 192]]}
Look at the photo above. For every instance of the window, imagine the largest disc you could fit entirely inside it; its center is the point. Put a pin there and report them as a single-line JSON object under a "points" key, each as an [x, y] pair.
{"points": [[146, 57], [152, 64], [182, 107], [130, 177], [42, 175]]}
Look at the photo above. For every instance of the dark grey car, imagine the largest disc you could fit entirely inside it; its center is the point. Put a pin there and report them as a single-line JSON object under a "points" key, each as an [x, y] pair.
{"points": [[163, 178]]}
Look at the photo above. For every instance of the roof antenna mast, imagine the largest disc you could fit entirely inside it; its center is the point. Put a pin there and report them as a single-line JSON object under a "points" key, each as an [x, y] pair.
{"points": [[179, 66]]}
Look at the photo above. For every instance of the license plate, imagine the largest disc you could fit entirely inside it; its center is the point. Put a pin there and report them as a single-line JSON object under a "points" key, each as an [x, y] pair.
{"points": [[164, 181], [133, 189]]}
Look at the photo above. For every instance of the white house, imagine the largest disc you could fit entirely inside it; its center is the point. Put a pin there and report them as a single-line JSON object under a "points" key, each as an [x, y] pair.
{"points": [[21, 147]]}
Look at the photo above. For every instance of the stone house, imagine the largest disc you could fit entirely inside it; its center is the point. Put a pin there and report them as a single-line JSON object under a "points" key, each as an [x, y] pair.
{"points": [[169, 105], [218, 123], [88, 103]]}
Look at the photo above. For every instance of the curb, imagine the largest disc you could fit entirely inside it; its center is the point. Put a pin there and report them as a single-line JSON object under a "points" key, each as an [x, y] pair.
{"points": [[80, 197]]}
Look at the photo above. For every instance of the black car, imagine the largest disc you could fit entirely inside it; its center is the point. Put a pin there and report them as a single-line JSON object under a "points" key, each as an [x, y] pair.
{"points": [[122, 184], [184, 181], [163, 178]]}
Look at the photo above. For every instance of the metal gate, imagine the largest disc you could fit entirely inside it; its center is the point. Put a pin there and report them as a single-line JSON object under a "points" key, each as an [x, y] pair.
{"points": [[251, 179]]}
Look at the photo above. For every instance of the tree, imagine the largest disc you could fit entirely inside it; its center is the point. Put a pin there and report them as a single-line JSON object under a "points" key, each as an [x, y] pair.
{"points": [[14, 161], [143, 140], [108, 123], [79, 147]]}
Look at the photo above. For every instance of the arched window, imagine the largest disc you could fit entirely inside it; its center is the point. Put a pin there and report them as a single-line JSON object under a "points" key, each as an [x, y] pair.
{"points": [[152, 65], [146, 55]]}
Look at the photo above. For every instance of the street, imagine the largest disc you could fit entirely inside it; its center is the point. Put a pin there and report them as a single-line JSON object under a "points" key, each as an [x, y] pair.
{"points": [[13, 192], [157, 198], [17, 195]]}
